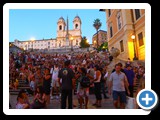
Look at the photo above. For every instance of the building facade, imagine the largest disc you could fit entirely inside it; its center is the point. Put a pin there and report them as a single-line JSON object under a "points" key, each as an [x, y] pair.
{"points": [[102, 37], [122, 25], [65, 38], [14, 49]]}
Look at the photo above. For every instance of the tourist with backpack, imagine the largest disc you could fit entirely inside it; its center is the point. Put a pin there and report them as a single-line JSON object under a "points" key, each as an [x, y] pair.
{"points": [[83, 87]]}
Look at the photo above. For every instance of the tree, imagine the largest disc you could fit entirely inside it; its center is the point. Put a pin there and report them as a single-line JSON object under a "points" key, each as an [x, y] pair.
{"points": [[97, 24], [103, 46], [84, 43]]}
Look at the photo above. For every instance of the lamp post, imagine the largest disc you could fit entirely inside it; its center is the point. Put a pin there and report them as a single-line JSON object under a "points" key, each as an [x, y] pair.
{"points": [[94, 43], [88, 44], [71, 44], [133, 38]]}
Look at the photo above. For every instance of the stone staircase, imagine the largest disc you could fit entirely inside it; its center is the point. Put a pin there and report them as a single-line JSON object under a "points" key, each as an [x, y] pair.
{"points": [[22, 85]]}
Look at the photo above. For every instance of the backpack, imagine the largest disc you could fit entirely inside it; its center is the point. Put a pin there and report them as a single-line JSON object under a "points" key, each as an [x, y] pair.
{"points": [[85, 82]]}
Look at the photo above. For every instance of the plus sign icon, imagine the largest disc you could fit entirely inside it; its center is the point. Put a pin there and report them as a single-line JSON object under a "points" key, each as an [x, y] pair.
{"points": [[147, 99]]}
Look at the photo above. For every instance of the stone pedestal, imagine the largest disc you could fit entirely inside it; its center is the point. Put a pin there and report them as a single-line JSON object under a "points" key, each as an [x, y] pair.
{"points": [[67, 43], [115, 52]]}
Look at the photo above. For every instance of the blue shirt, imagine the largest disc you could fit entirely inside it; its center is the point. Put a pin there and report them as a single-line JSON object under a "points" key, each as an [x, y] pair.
{"points": [[130, 76]]}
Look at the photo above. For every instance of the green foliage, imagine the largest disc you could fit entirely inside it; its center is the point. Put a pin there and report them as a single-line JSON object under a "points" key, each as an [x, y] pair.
{"points": [[103, 46], [97, 24], [84, 43]]}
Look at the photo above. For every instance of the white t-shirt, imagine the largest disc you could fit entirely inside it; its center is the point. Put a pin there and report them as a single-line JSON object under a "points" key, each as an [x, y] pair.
{"points": [[19, 106], [69, 57], [106, 75], [55, 73], [84, 62], [51, 71]]}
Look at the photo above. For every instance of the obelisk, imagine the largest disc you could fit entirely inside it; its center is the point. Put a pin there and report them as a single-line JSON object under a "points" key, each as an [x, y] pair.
{"points": [[67, 35]]}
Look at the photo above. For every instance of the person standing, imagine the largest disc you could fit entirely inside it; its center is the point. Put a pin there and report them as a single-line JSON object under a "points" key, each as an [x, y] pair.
{"points": [[118, 82], [83, 92], [103, 82], [97, 86], [55, 84], [47, 85], [67, 75], [130, 76]]}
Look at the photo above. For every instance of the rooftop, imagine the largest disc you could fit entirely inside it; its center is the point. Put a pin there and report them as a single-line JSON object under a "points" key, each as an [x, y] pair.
{"points": [[38, 40], [100, 31]]}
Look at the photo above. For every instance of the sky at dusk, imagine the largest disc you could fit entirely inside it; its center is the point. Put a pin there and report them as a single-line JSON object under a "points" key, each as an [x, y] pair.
{"points": [[25, 24]]}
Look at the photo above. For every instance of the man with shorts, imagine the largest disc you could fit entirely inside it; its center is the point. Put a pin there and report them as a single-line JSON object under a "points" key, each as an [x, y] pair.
{"points": [[118, 82]]}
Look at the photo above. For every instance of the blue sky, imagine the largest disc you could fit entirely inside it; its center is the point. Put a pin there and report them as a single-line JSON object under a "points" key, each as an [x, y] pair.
{"points": [[42, 23]]}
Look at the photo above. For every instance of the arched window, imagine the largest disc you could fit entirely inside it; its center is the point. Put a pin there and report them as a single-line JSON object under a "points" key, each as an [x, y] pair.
{"points": [[60, 27], [76, 26]]}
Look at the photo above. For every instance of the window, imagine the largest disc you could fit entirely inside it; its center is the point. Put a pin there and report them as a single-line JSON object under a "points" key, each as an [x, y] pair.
{"points": [[41, 44], [48, 43], [121, 46], [76, 26], [119, 20], [111, 31], [137, 13], [140, 39], [109, 12], [60, 27]]}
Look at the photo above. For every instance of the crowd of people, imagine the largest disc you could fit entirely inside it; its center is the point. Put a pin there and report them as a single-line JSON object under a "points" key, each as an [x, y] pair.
{"points": [[60, 76]]}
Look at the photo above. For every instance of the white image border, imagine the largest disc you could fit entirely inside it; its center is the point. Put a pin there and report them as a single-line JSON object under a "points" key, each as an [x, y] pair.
{"points": [[9, 6]]}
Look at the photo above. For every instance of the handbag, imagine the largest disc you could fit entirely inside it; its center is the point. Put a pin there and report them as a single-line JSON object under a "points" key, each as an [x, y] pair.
{"points": [[131, 103]]}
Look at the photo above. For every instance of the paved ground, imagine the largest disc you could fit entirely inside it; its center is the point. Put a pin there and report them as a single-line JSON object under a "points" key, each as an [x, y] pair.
{"points": [[55, 104]]}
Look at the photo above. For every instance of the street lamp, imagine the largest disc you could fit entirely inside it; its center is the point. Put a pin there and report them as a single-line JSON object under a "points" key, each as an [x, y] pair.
{"points": [[95, 43], [88, 44], [10, 44], [133, 38], [71, 44]]}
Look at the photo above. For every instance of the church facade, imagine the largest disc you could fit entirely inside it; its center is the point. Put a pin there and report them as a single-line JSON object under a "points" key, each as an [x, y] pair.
{"points": [[66, 38]]}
